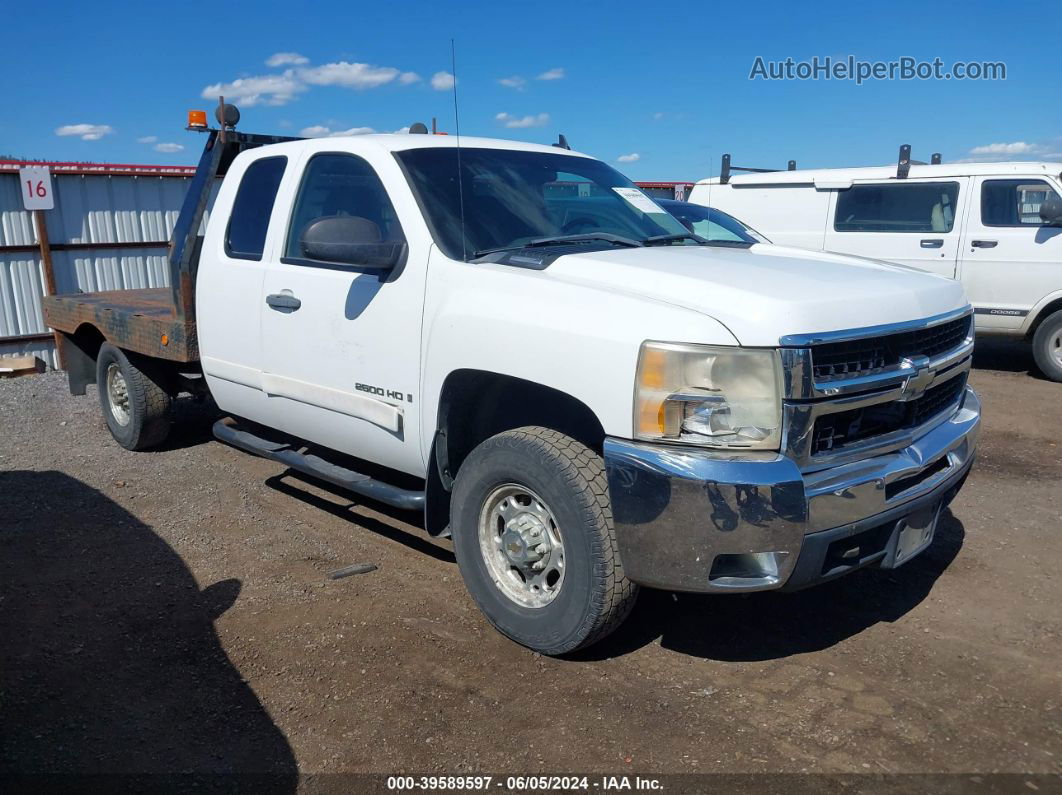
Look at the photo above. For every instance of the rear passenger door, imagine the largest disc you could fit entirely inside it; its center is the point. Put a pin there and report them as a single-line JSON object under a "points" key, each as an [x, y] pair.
{"points": [[1009, 259], [910, 222], [229, 283]]}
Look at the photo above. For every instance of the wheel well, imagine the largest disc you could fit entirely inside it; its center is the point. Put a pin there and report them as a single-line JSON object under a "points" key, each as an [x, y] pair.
{"points": [[1044, 313], [475, 405]]}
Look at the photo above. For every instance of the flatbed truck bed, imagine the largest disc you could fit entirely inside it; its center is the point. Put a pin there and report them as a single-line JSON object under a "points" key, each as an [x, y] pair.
{"points": [[144, 321]]}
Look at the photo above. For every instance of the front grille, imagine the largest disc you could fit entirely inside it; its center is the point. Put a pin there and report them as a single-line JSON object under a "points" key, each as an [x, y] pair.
{"points": [[845, 427], [834, 360]]}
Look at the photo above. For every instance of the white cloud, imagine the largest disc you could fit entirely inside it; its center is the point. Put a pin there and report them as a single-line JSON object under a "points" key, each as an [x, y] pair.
{"points": [[408, 77], [249, 91], [515, 81], [1016, 148], [401, 131], [658, 115], [169, 148], [322, 131], [631, 158], [86, 132], [349, 75], [539, 120], [552, 74], [442, 81], [286, 59], [147, 139]]}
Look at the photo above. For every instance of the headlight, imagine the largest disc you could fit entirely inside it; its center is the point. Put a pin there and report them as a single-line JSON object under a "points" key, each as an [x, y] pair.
{"points": [[712, 396]]}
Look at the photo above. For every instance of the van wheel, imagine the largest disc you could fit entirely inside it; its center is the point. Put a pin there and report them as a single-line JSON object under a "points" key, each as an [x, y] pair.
{"points": [[135, 408], [533, 536], [1047, 346]]}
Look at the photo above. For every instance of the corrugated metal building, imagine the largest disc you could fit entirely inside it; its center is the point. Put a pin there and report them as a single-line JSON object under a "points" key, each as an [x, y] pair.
{"points": [[109, 231]]}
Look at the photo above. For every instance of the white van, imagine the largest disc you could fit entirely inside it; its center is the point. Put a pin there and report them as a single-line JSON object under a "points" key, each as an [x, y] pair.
{"points": [[996, 227]]}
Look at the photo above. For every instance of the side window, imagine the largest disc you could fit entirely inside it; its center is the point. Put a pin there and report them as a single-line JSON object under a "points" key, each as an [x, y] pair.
{"points": [[1013, 202], [342, 185], [912, 207], [249, 220]]}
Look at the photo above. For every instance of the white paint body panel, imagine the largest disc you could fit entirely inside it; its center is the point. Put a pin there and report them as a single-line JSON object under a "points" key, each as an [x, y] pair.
{"points": [[1008, 284], [576, 326]]}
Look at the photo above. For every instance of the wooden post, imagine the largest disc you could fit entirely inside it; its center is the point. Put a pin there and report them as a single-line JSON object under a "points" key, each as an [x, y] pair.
{"points": [[49, 272]]}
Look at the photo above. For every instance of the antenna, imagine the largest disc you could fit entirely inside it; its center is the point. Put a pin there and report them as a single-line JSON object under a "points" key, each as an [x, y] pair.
{"points": [[457, 130]]}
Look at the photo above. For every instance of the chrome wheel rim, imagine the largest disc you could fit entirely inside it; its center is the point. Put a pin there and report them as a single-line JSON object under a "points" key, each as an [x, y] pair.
{"points": [[522, 545], [117, 394], [1054, 347]]}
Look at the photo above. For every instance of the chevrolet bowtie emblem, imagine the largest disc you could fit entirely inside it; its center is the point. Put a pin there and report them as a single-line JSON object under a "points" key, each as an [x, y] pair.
{"points": [[917, 383]]}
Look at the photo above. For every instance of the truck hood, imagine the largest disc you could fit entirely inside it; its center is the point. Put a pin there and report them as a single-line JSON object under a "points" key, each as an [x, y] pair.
{"points": [[765, 292]]}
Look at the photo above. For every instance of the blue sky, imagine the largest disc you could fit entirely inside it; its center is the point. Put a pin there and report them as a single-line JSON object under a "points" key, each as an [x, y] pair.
{"points": [[668, 91]]}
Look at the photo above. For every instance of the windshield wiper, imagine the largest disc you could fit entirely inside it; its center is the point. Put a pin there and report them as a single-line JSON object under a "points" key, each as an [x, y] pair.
{"points": [[589, 237], [659, 239]]}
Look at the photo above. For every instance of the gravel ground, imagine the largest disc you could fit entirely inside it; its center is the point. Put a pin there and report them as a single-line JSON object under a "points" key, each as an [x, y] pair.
{"points": [[171, 611]]}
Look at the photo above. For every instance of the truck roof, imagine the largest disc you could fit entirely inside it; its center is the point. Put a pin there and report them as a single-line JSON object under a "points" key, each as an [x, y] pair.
{"points": [[398, 142], [878, 173]]}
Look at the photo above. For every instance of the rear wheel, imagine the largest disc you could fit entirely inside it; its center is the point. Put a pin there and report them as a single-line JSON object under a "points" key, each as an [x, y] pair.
{"points": [[534, 540], [1047, 346], [135, 408]]}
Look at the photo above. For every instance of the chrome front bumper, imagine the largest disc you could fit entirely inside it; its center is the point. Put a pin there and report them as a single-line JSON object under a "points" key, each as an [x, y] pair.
{"points": [[694, 520]]}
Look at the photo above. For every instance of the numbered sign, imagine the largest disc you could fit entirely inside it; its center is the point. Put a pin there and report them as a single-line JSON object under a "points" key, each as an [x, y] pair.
{"points": [[36, 183]]}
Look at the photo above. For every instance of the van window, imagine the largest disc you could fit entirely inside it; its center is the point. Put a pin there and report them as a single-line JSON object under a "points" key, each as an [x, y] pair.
{"points": [[911, 207], [342, 185], [1013, 202], [249, 220]]}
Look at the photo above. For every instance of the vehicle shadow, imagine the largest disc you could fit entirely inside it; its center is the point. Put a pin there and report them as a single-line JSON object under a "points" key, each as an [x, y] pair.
{"points": [[418, 543], [111, 672], [770, 625], [1006, 355]]}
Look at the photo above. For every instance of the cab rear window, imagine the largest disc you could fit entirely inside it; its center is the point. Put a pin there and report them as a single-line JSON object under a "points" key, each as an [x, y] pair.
{"points": [[911, 207]]}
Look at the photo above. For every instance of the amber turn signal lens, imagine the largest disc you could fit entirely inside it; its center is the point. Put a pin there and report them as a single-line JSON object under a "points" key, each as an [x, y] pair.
{"points": [[197, 118]]}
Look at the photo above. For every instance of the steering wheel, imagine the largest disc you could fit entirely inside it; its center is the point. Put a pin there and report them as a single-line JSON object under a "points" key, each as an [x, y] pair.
{"points": [[577, 225]]}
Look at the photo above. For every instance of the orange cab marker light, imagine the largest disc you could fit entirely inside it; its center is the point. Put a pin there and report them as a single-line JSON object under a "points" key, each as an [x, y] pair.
{"points": [[165, 339], [197, 118]]}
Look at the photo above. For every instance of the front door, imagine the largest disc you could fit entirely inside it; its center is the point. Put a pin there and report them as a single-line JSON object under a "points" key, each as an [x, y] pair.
{"points": [[911, 222], [341, 343], [1009, 259]]}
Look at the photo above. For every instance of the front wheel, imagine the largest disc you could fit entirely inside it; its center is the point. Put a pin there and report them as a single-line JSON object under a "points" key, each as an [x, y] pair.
{"points": [[1047, 346], [135, 407], [534, 540]]}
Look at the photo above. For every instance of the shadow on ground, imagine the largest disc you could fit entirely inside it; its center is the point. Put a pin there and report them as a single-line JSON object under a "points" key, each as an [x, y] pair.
{"points": [[770, 626], [1005, 355], [109, 662]]}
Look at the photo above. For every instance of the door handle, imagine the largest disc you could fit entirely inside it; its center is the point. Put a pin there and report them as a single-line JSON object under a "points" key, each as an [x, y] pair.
{"points": [[984, 243], [934, 243], [283, 301]]}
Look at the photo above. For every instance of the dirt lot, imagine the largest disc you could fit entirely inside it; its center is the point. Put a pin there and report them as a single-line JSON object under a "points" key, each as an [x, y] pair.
{"points": [[171, 611]]}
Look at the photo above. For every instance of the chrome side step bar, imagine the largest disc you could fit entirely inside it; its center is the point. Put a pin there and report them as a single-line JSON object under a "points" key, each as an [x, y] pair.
{"points": [[228, 431]]}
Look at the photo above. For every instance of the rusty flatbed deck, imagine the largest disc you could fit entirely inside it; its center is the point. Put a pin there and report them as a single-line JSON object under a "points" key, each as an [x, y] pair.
{"points": [[143, 321]]}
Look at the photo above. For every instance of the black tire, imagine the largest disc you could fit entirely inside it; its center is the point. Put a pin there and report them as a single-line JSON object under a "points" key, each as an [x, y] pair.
{"points": [[1046, 350], [148, 406], [594, 596]]}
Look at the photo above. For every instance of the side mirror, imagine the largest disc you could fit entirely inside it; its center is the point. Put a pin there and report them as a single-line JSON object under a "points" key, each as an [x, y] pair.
{"points": [[1051, 211], [350, 240]]}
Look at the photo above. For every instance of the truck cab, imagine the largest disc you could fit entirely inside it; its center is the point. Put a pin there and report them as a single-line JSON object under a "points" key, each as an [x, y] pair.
{"points": [[585, 395], [995, 227]]}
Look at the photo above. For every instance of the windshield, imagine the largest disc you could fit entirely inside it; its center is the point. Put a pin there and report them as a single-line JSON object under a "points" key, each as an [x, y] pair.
{"points": [[512, 198], [712, 224]]}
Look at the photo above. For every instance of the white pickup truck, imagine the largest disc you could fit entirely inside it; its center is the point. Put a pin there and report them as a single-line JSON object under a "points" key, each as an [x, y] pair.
{"points": [[584, 394]]}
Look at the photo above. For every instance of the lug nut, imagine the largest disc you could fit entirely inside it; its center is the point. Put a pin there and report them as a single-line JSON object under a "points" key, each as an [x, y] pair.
{"points": [[538, 565], [542, 549]]}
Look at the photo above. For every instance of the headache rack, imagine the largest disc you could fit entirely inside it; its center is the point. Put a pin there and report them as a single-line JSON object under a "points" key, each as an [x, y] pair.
{"points": [[903, 165]]}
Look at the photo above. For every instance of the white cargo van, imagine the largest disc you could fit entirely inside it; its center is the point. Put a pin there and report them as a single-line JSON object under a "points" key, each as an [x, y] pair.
{"points": [[996, 227]]}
